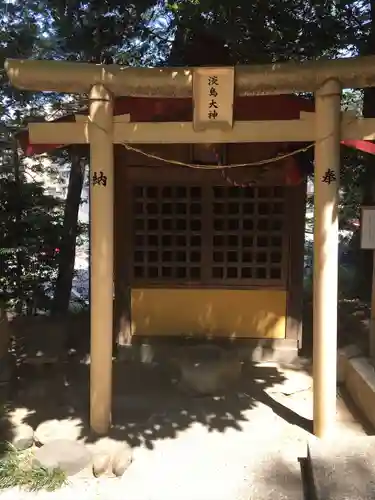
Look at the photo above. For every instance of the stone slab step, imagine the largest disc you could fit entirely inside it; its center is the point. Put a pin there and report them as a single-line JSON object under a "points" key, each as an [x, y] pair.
{"points": [[342, 468], [274, 478]]}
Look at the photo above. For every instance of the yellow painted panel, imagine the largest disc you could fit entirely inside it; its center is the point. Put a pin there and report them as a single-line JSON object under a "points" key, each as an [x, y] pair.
{"points": [[221, 313]]}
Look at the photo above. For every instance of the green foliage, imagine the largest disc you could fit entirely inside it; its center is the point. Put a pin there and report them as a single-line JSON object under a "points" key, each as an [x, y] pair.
{"points": [[258, 32], [18, 470], [96, 30], [30, 223], [352, 168]]}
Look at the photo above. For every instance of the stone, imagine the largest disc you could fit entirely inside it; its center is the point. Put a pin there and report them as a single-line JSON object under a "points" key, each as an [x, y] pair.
{"points": [[122, 460], [209, 369], [147, 354], [360, 385], [48, 462], [343, 356], [50, 430], [100, 464], [23, 437], [342, 468], [69, 456], [272, 477], [351, 351]]}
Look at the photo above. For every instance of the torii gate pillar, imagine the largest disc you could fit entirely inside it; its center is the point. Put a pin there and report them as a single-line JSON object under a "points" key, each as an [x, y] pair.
{"points": [[101, 256], [326, 182]]}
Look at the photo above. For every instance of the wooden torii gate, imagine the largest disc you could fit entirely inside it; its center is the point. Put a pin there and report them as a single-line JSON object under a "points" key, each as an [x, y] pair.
{"points": [[327, 127]]}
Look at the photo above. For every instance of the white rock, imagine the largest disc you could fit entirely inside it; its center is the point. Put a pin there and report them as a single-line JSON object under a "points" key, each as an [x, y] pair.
{"points": [[69, 456], [122, 459], [23, 437], [208, 369], [47, 462], [50, 430], [101, 463]]}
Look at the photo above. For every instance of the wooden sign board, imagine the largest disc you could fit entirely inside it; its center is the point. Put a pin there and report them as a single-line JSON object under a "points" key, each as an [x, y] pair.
{"points": [[368, 228], [213, 95]]}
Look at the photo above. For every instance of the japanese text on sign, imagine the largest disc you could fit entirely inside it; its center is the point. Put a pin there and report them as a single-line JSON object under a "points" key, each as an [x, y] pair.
{"points": [[329, 176], [213, 84], [99, 180], [213, 96]]}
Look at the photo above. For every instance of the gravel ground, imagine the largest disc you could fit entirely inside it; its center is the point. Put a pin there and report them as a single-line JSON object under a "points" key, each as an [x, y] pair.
{"points": [[255, 459]]}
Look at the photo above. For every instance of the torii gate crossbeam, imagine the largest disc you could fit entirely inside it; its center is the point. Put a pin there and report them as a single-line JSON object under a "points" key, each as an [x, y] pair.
{"points": [[326, 79], [282, 78]]}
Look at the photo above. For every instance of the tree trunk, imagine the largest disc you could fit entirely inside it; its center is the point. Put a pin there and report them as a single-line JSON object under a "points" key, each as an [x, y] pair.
{"points": [[67, 253], [18, 217]]}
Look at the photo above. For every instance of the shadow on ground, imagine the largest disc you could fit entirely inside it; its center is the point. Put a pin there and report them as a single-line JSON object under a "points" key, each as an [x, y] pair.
{"points": [[148, 403]]}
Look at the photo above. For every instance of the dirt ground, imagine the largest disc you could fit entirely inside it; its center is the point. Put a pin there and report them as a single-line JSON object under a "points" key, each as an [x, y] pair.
{"points": [[239, 445]]}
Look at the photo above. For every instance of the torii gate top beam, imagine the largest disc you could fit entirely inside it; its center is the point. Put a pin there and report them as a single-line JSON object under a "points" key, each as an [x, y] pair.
{"points": [[284, 78]]}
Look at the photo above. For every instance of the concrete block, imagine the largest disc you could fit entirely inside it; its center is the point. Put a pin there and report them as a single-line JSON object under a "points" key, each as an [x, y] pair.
{"points": [[343, 356], [273, 478], [343, 468], [360, 384], [268, 350]]}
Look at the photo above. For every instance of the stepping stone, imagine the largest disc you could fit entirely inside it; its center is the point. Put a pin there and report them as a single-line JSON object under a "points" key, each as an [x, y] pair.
{"points": [[23, 437], [101, 463], [69, 456], [343, 468], [122, 460], [50, 430], [207, 370]]}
